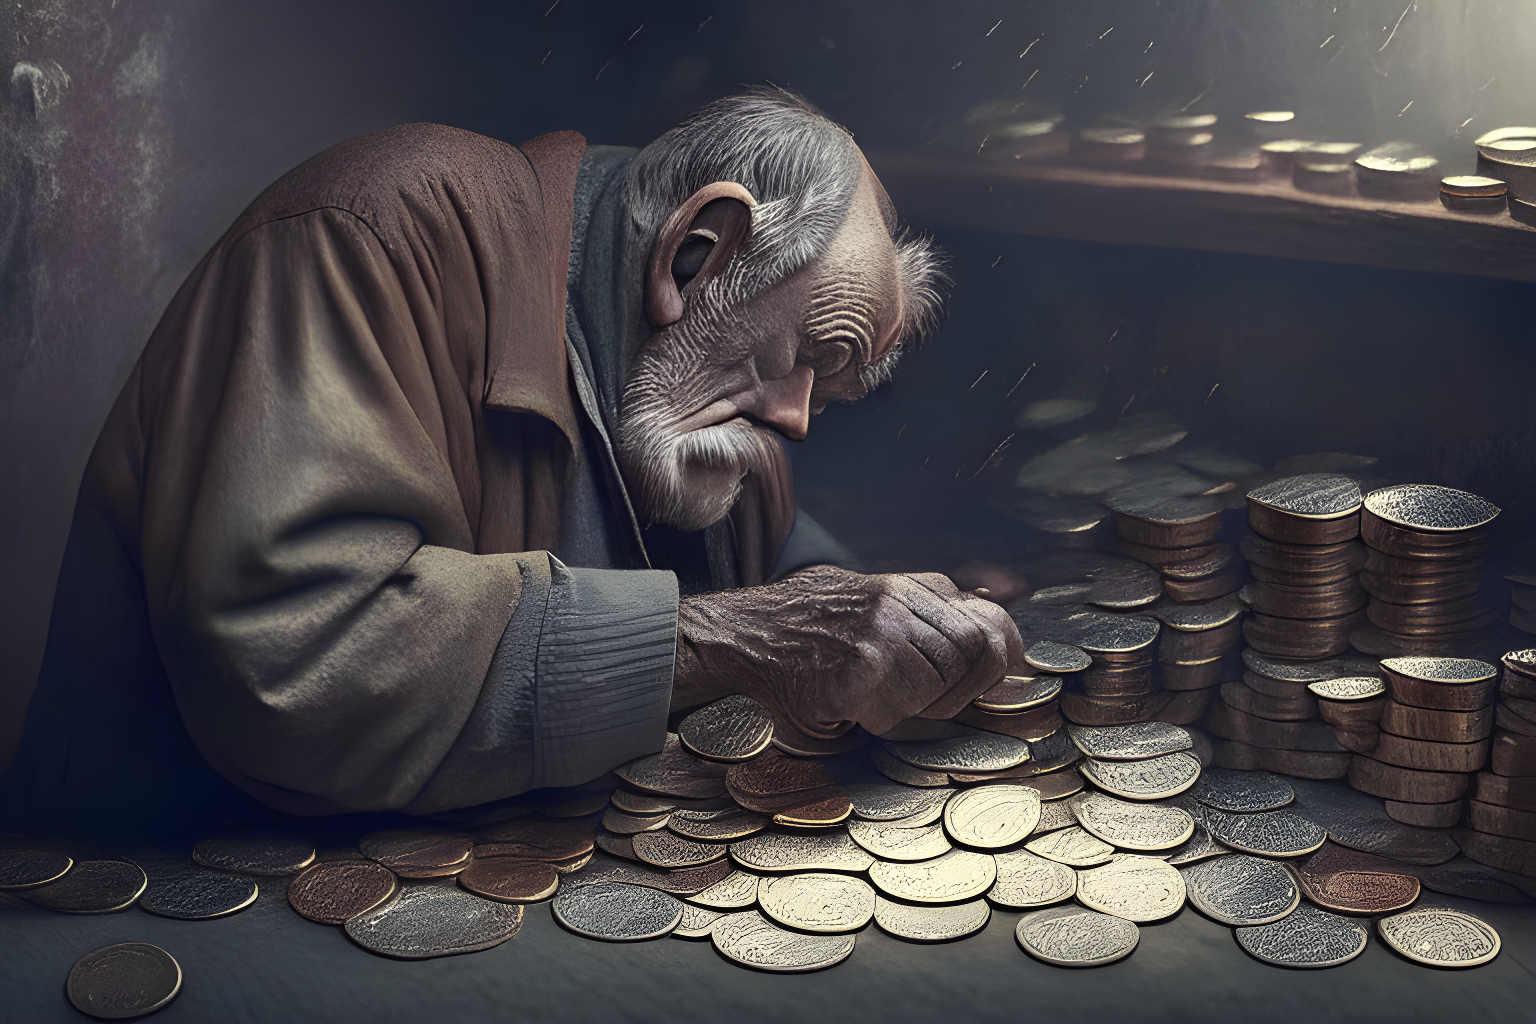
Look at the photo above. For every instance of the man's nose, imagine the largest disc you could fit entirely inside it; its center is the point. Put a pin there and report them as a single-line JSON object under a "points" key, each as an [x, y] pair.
{"points": [[783, 404]]}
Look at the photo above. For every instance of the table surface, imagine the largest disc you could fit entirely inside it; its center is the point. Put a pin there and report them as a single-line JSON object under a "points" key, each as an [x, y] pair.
{"points": [[267, 964]]}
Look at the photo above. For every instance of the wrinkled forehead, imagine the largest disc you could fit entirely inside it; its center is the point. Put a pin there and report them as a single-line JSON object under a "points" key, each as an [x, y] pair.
{"points": [[862, 258]]}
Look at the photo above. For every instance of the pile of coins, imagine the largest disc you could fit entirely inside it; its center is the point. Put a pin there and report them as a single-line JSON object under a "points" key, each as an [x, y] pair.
{"points": [[1272, 718], [1424, 570], [1177, 537], [1432, 733], [1501, 817]]}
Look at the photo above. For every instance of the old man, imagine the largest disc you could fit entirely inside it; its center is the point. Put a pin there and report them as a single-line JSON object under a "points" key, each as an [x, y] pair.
{"points": [[455, 467]]}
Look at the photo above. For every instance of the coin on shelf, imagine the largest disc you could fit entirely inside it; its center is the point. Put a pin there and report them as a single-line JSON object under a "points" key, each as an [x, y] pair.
{"points": [[1021, 693], [1025, 880], [956, 875], [736, 890], [1305, 938], [1132, 887], [749, 939], [1072, 936], [127, 979], [426, 921], [192, 893], [716, 826], [24, 869], [510, 880], [92, 887], [992, 816], [1075, 847], [667, 849], [616, 911], [890, 842], [1241, 890], [1270, 833], [1440, 937], [696, 922], [255, 854], [1156, 778], [1133, 826], [818, 902], [334, 892], [781, 851], [919, 922]]}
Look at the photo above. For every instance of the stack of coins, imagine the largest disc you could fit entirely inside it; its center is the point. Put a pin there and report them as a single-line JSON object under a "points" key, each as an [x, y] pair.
{"points": [[1473, 193], [1522, 599], [1424, 570], [1433, 736], [1398, 172], [1196, 652], [1501, 816], [1026, 707], [1306, 596], [1509, 155], [1177, 537], [1270, 719], [1117, 688]]}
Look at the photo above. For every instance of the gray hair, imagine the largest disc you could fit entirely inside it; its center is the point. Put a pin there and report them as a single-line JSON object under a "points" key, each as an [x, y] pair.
{"points": [[803, 168]]}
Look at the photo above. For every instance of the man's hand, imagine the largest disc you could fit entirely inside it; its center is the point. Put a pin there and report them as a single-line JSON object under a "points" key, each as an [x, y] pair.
{"points": [[825, 648]]}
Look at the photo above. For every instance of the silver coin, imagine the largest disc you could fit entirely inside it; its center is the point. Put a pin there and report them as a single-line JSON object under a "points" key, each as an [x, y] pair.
{"points": [[1025, 880], [734, 728], [749, 939], [1349, 688], [717, 826], [1241, 890], [616, 911], [1156, 778], [696, 923], [1198, 616], [1307, 937], [1243, 792], [1048, 656], [736, 890], [817, 901], [1114, 634], [957, 875], [778, 851], [257, 854], [1311, 495], [1441, 670], [666, 849], [128, 979], [1129, 742], [1073, 936], [1431, 508], [1054, 814], [1016, 694], [92, 887], [1198, 847], [1136, 888], [23, 869], [642, 804], [686, 882], [927, 816], [1133, 826], [192, 893], [626, 824], [979, 752], [927, 923], [1292, 671], [992, 816], [1440, 937], [889, 842], [888, 801], [1051, 752], [1073, 846], [426, 921], [1271, 833]]}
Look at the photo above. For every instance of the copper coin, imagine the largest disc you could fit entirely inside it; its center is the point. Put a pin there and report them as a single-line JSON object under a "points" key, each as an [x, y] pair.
{"points": [[411, 854], [1277, 709], [1337, 560], [571, 865], [92, 887], [780, 803], [1416, 570], [773, 773], [1439, 726], [615, 820], [1446, 684], [1300, 638], [1219, 558], [674, 772], [1181, 647], [255, 854], [1207, 589], [510, 879], [1359, 892], [1409, 543], [818, 813], [1083, 709], [128, 979], [337, 891], [23, 869], [1324, 602], [1170, 535], [537, 840]]}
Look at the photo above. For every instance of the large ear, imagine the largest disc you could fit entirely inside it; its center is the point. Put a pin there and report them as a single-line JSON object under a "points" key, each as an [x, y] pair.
{"points": [[697, 241]]}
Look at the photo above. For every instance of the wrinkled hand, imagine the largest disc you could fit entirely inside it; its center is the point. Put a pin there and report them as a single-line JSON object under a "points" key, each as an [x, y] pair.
{"points": [[825, 648]]}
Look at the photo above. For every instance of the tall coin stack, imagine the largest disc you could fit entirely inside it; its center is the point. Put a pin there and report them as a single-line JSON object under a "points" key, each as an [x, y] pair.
{"points": [[1194, 652], [1434, 735], [1117, 685], [1270, 720], [1522, 599], [1424, 570], [1502, 814]]}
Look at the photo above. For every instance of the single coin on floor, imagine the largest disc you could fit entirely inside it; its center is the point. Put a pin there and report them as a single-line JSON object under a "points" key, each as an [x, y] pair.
{"points": [[337, 891], [1133, 826], [927, 923], [510, 879], [1075, 847], [734, 728], [992, 816], [1129, 742], [23, 869], [817, 901], [255, 854], [1026, 880], [1072, 936], [426, 921], [1239, 889], [1307, 938], [1155, 778], [1440, 937], [753, 941], [92, 887], [1136, 888], [193, 893], [957, 875], [616, 911], [696, 923], [129, 979], [891, 842]]}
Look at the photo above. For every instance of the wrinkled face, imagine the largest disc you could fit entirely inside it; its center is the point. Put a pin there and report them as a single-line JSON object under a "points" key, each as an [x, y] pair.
{"points": [[708, 394]]}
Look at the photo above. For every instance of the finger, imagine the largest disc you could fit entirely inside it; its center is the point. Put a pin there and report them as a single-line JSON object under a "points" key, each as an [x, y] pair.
{"points": [[1004, 649], [935, 601], [895, 682]]}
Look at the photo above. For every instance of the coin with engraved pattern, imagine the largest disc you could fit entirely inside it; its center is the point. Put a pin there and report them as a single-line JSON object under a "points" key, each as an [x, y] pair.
{"points": [[1049, 656], [817, 901], [1241, 890], [334, 892], [625, 824], [734, 891], [1133, 826], [957, 875], [1026, 880], [992, 816], [1198, 847], [734, 728], [1020, 693], [426, 921], [750, 939], [1129, 742], [782, 851], [1072, 936], [1136, 888], [510, 879], [1270, 833], [1306, 937], [255, 854], [1074, 847], [128, 979], [716, 826], [666, 849], [978, 752], [1156, 778], [1440, 937], [617, 912], [1240, 791], [696, 922], [922, 922], [888, 841], [888, 801], [192, 893]]}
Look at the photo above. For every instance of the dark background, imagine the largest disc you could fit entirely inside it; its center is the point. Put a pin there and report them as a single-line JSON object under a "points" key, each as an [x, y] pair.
{"points": [[132, 133]]}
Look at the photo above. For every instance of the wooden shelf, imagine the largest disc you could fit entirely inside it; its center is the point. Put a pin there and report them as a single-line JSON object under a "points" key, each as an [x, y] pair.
{"points": [[1264, 218]]}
